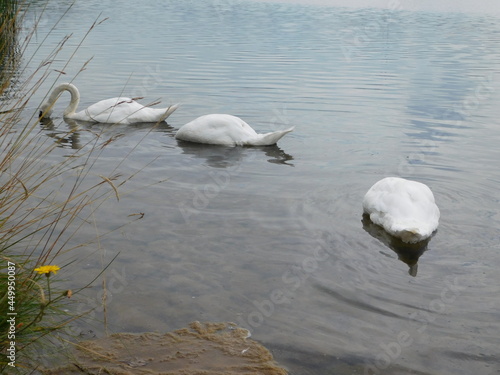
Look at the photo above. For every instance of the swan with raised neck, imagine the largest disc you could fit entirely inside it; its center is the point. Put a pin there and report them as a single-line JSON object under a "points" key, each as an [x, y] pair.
{"points": [[119, 110], [46, 108]]}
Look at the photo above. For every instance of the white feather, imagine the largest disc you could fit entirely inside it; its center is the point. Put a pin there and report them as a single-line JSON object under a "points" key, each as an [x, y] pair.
{"points": [[406, 209], [120, 110], [227, 130]]}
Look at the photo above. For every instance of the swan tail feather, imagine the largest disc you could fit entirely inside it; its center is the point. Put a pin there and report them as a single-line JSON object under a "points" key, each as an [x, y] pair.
{"points": [[269, 139], [171, 109]]}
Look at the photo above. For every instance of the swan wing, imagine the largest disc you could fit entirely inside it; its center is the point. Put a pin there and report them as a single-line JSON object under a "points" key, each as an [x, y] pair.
{"points": [[219, 129], [148, 114], [115, 110], [403, 208]]}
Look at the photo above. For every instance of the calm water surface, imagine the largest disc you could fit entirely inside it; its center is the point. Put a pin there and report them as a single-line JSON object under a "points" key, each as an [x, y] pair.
{"points": [[273, 238]]}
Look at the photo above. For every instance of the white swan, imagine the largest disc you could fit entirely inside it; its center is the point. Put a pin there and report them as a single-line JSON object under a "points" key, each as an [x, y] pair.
{"points": [[405, 209], [119, 110], [227, 130]]}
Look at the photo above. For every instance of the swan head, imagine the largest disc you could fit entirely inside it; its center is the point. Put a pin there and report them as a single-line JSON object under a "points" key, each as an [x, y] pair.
{"points": [[45, 111]]}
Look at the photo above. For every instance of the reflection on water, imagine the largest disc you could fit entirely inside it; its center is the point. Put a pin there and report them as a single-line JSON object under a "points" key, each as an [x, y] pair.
{"points": [[67, 134], [65, 138], [371, 94], [407, 252], [227, 157], [9, 49]]}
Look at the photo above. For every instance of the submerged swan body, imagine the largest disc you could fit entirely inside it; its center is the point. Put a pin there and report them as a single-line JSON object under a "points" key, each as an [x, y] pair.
{"points": [[227, 130], [405, 209], [120, 110]]}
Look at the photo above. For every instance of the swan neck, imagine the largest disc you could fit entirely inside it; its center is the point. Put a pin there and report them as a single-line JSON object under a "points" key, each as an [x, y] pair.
{"points": [[75, 97]]}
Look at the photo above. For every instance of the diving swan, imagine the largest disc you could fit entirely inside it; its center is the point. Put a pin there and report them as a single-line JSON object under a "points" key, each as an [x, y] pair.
{"points": [[405, 209], [119, 110], [227, 130]]}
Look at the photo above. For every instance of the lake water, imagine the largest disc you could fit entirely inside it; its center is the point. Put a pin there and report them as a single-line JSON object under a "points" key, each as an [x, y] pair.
{"points": [[273, 238]]}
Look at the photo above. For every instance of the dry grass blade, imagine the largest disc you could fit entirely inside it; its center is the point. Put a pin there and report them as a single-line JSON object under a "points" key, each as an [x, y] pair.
{"points": [[43, 204], [112, 185]]}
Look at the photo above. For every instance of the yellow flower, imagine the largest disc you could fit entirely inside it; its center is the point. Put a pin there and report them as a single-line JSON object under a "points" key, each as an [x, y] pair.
{"points": [[47, 270]]}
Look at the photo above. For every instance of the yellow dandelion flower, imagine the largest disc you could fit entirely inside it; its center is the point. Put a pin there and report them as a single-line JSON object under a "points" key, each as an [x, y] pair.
{"points": [[47, 270]]}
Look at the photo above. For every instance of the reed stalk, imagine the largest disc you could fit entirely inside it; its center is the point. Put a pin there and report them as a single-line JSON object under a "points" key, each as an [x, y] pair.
{"points": [[43, 204]]}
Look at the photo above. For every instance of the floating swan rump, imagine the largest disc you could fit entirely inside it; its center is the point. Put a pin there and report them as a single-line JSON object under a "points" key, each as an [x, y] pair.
{"points": [[120, 110], [227, 130], [405, 209]]}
